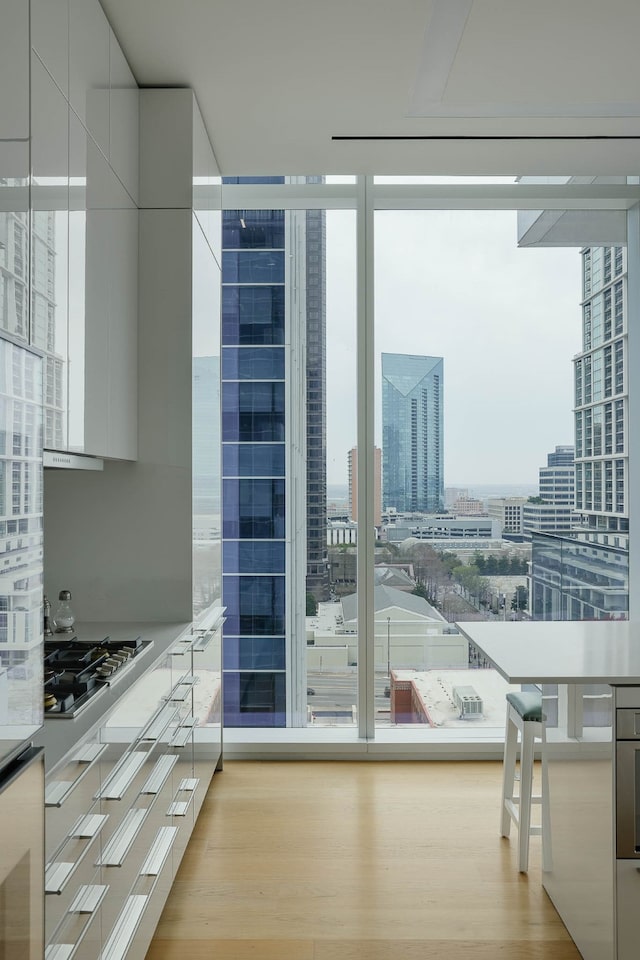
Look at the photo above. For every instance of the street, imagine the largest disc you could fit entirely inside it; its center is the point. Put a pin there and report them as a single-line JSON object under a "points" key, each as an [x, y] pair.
{"points": [[336, 693]]}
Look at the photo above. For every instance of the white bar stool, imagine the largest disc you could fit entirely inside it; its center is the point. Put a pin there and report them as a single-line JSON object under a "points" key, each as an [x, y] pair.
{"points": [[524, 715]]}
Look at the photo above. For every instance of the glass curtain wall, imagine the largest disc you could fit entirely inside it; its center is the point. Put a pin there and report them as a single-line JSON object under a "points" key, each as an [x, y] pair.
{"points": [[288, 540], [470, 398], [472, 329]]}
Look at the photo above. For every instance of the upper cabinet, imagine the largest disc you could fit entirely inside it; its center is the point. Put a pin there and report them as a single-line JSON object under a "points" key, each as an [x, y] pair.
{"points": [[50, 39], [84, 166], [14, 70], [14, 168], [89, 41], [123, 120]]}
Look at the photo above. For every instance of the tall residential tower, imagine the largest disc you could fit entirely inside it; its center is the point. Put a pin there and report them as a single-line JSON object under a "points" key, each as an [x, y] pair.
{"points": [[273, 456], [412, 433]]}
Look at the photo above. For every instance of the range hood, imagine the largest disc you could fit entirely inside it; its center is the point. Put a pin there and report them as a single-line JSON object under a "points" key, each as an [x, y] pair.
{"points": [[71, 461]]}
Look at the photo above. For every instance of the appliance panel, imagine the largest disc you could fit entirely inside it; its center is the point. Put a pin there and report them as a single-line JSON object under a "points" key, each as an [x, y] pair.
{"points": [[22, 857]]}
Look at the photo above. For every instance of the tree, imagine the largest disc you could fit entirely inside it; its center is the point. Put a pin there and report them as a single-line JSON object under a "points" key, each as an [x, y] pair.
{"points": [[520, 599], [312, 606], [420, 591], [491, 566]]}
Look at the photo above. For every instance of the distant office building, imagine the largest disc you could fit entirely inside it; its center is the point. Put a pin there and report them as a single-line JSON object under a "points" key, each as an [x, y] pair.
{"points": [[412, 432], [352, 462], [467, 507], [561, 456], [315, 247], [508, 511], [555, 514], [341, 532], [557, 480], [451, 494], [443, 528]]}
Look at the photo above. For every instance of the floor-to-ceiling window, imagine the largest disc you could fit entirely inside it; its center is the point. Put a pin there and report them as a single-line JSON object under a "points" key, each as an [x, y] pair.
{"points": [[494, 323]]}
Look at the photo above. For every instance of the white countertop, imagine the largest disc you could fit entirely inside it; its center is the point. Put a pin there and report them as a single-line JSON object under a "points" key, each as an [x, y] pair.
{"points": [[591, 651]]}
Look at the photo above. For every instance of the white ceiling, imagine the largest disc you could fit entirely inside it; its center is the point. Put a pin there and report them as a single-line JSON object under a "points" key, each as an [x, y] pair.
{"points": [[276, 80]]}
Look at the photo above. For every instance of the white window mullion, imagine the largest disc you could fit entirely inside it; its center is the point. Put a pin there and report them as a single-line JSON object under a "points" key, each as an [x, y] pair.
{"points": [[365, 434], [633, 387]]}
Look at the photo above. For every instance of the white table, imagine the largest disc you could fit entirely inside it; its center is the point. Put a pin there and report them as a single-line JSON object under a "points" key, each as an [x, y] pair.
{"points": [[590, 651]]}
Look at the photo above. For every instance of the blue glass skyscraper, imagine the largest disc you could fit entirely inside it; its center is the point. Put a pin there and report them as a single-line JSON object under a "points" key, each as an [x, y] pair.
{"points": [[412, 433], [253, 466], [273, 456]]}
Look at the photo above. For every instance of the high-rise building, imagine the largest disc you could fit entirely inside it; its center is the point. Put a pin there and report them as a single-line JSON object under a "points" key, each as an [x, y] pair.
{"points": [[352, 467], [412, 433], [274, 456], [601, 398], [583, 574], [553, 510], [316, 370]]}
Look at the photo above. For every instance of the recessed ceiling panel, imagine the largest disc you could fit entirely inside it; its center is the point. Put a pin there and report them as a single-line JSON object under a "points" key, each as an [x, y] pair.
{"points": [[548, 58]]}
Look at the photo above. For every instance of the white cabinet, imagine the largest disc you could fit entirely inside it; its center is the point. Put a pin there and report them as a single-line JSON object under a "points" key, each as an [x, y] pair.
{"points": [[50, 38], [121, 805], [85, 241], [89, 38], [123, 120], [14, 70], [49, 247]]}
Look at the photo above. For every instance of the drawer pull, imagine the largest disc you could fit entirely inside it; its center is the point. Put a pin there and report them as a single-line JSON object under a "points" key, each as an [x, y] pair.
{"points": [[159, 774], [154, 730], [88, 826], [118, 846], [183, 732], [189, 783], [59, 951], [125, 928], [89, 898], [56, 875], [159, 852], [122, 776], [89, 753]]}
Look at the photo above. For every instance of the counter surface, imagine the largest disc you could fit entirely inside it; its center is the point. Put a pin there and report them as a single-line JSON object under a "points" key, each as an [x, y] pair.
{"points": [[591, 651]]}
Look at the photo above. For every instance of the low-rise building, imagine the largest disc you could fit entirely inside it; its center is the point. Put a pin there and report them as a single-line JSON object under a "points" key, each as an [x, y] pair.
{"points": [[508, 512], [409, 633]]}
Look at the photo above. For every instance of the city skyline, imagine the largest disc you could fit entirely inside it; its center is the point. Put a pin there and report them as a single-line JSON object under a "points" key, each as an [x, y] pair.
{"points": [[506, 320]]}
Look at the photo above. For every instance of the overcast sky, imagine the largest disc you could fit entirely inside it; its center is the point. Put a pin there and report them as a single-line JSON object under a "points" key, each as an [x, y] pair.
{"points": [[506, 320]]}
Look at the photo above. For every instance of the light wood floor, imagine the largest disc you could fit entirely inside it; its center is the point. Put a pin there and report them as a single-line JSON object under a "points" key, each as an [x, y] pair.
{"points": [[357, 861]]}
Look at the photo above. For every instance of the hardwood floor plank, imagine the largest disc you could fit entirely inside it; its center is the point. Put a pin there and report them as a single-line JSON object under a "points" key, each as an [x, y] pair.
{"points": [[357, 861]]}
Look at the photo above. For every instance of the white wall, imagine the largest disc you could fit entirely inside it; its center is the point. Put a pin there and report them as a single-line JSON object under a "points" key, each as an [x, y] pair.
{"points": [[121, 540]]}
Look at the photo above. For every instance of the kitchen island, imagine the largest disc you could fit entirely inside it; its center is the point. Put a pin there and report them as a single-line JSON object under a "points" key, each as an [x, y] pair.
{"points": [[595, 889]]}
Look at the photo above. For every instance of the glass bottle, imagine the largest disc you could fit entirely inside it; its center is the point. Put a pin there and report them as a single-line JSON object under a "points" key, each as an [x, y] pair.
{"points": [[64, 617], [48, 632]]}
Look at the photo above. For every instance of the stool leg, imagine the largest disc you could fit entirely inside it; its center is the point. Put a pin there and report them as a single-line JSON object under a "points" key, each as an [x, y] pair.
{"points": [[526, 788], [508, 772], [547, 864]]}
